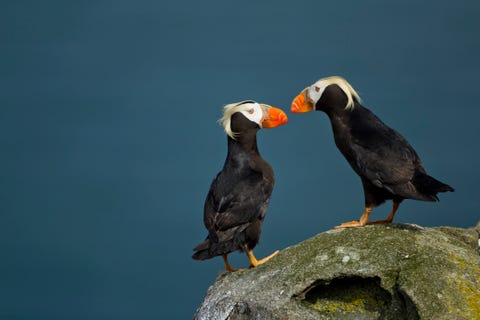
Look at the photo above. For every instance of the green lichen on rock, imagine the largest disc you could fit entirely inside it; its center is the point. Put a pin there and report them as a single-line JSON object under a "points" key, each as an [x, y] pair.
{"points": [[376, 272], [349, 296]]}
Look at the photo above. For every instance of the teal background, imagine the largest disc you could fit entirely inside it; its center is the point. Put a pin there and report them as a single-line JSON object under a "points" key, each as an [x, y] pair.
{"points": [[109, 140]]}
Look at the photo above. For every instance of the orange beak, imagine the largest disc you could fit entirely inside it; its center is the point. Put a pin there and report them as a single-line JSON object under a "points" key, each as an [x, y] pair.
{"points": [[276, 117], [300, 103]]}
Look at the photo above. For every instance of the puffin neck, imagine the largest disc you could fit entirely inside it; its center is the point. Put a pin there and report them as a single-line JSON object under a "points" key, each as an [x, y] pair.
{"points": [[340, 119], [244, 143]]}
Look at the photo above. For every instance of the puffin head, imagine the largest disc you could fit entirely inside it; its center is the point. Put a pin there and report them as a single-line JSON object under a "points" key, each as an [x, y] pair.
{"points": [[250, 115], [324, 94]]}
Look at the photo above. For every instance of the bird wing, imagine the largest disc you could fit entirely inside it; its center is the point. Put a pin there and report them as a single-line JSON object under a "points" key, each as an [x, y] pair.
{"points": [[381, 154], [235, 203], [384, 167]]}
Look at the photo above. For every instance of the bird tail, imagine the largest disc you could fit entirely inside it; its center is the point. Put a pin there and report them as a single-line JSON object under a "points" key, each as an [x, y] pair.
{"points": [[430, 186], [221, 242], [203, 251], [209, 249]]}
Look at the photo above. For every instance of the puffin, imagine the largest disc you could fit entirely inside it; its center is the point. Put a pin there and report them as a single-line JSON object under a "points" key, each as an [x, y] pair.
{"points": [[388, 166], [239, 195]]}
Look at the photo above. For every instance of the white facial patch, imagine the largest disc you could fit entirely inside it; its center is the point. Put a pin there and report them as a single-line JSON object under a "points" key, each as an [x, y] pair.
{"points": [[253, 112], [315, 93], [316, 90]]}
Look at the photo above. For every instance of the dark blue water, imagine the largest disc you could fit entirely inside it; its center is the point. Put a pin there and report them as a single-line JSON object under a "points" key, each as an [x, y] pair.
{"points": [[109, 139]]}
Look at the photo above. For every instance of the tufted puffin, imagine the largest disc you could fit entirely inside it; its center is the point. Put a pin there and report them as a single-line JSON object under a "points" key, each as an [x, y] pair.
{"points": [[236, 204], [388, 166]]}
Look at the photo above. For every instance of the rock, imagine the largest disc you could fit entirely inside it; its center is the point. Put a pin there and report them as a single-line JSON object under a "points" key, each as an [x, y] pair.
{"points": [[395, 271], [477, 228]]}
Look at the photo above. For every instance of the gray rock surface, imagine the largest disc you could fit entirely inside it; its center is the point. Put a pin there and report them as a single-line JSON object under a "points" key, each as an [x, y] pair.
{"points": [[393, 271]]}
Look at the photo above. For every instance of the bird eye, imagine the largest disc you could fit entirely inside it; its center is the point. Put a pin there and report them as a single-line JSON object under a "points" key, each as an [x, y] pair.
{"points": [[317, 89], [251, 111]]}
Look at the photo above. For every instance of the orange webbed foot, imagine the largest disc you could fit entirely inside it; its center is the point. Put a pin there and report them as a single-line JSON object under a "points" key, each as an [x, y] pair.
{"points": [[254, 262], [228, 267], [351, 224], [357, 224]]}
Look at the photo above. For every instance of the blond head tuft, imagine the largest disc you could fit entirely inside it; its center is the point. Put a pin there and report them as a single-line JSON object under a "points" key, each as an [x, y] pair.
{"points": [[228, 111], [351, 94]]}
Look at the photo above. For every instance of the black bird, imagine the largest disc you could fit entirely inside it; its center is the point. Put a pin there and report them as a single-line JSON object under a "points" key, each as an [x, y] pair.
{"points": [[387, 164], [236, 204]]}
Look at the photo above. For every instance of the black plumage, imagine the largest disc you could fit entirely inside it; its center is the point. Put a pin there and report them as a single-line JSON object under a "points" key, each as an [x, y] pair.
{"points": [[387, 164], [238, 198]]}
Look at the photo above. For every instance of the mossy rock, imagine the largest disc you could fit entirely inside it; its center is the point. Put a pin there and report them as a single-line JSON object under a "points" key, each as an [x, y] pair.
{"points": [[395, 271]]}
